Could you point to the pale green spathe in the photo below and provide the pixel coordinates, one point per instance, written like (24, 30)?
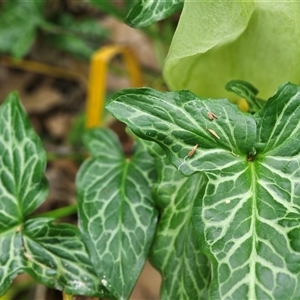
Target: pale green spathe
(216, 42)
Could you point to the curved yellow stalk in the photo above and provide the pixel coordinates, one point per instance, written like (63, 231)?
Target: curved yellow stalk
(97, 80)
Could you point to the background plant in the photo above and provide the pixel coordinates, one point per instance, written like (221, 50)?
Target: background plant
(18, 32)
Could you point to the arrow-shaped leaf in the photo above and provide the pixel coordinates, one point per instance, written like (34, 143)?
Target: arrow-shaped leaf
(117, 216)
(259, 240)
(22, 184)
(22, 163)
(247, 217)
(53, 254)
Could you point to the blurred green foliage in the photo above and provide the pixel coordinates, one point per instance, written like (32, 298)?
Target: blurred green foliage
(23, 22)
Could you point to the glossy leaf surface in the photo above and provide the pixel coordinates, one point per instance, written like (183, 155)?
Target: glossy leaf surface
(146, 12)
(178, 121)
(11, 263)
(117, 215)
(175, 250)
(57, 257)
(53, 254)
(247, 217)
(23, 161)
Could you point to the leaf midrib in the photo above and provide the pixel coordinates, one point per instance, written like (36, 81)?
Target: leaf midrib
(125, 168)
(253, 256)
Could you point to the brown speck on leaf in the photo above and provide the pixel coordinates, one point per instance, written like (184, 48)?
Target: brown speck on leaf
(193, 150)
(212, 132)
(212, 116)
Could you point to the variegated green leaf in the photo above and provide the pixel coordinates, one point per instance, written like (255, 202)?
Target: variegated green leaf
(56, 257)
(22, 184)
(278, 130)
(247, 217)
(178, 121)
(11, 263)
(261, 211)
(117, 216)
(175, 250)
(147, 12)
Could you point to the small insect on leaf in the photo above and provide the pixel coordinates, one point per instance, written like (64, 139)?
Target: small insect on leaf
(212, 116)
(191, 153)
(212, 132)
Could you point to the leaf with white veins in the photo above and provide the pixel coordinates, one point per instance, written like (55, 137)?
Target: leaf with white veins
(22, 184)
(53, 254)
(147, 12)
(56, 257)
(247, 217)
(117, 215)
(177, 121)
(22, 163)
(175, 250)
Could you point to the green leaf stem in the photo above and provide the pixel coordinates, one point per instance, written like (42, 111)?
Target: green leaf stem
(247, 217)
(117, 215)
